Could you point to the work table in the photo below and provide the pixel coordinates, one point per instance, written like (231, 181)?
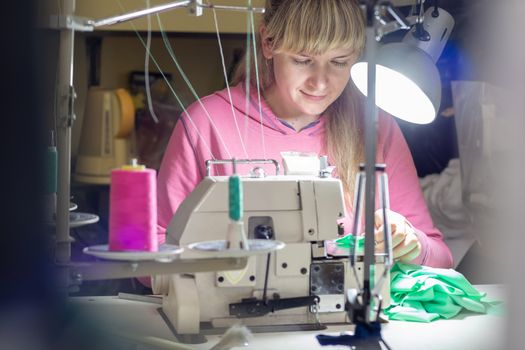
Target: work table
(466, 331)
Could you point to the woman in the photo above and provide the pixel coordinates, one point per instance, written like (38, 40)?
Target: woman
(305, 51)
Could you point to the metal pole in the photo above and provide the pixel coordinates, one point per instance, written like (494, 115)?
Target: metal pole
(65, 117)
(370, 156)
(129, 16)
(234, 8)
(196, 9)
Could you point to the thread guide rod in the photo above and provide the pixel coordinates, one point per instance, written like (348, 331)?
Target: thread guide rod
(195, 6)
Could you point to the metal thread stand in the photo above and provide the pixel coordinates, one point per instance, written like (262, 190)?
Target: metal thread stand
(67, 23)
(363, 304)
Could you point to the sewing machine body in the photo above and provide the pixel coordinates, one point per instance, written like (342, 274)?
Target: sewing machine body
(303, 212)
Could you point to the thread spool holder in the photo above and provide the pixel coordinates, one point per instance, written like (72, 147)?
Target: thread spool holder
(105, 270)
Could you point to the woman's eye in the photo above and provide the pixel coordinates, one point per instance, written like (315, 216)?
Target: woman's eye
(301, 62)
(340, 64)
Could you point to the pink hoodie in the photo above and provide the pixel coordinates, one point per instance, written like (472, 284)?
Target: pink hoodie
(220, 131)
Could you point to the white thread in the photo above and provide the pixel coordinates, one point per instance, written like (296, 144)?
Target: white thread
(250, 25)
(248, 64)
(187, 81)
(170, 86)
(257, 83)
(228, 84)
(146, 68)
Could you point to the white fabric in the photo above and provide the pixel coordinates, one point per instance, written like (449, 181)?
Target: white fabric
(442, 193)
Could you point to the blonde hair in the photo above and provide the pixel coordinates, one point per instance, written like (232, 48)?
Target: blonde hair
(314, 27)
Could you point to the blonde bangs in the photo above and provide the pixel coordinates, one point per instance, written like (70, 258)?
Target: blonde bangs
(314, 27)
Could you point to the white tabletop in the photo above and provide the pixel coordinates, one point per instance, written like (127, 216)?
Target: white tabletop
(466, 331)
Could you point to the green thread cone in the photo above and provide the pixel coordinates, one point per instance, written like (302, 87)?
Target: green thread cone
(235, 198)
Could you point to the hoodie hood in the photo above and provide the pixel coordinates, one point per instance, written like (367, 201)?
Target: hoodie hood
(264, 114)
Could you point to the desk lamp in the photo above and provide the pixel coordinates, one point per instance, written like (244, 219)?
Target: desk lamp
(408, 85)
(405, 83)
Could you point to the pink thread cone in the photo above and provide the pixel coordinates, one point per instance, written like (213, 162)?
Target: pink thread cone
(133, 210)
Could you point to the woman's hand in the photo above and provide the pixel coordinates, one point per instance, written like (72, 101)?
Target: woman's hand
(405, 242)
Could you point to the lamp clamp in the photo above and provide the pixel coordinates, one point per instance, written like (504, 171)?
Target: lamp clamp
(389, 19)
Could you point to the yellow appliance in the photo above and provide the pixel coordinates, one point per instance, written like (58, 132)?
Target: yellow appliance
(106, 138)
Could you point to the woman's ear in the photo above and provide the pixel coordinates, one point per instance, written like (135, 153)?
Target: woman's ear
(266, 43)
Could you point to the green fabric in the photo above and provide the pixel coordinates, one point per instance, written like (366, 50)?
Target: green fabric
(424, 294)
(348, 241)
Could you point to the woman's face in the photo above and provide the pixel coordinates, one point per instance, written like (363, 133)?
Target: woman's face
(305, 85)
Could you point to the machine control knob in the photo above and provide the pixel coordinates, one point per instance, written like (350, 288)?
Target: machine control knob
(263, 232)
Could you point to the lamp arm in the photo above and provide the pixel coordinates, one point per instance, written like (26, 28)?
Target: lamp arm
(402, 22)
(386, 26)
(396, 14)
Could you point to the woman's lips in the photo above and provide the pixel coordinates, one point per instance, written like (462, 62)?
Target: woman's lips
(313, 97)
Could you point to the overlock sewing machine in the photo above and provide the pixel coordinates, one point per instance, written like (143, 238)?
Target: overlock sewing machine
(304, 284)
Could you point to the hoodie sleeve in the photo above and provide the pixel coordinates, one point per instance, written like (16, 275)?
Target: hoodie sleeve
(179, 174)
(406, 196)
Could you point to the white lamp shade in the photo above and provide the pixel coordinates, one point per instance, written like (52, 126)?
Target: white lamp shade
(408, 85)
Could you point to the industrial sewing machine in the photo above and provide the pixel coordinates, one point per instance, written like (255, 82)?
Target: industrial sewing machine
(304, 284)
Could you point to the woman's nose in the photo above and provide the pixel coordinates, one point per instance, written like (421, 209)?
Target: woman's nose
(319, 79)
